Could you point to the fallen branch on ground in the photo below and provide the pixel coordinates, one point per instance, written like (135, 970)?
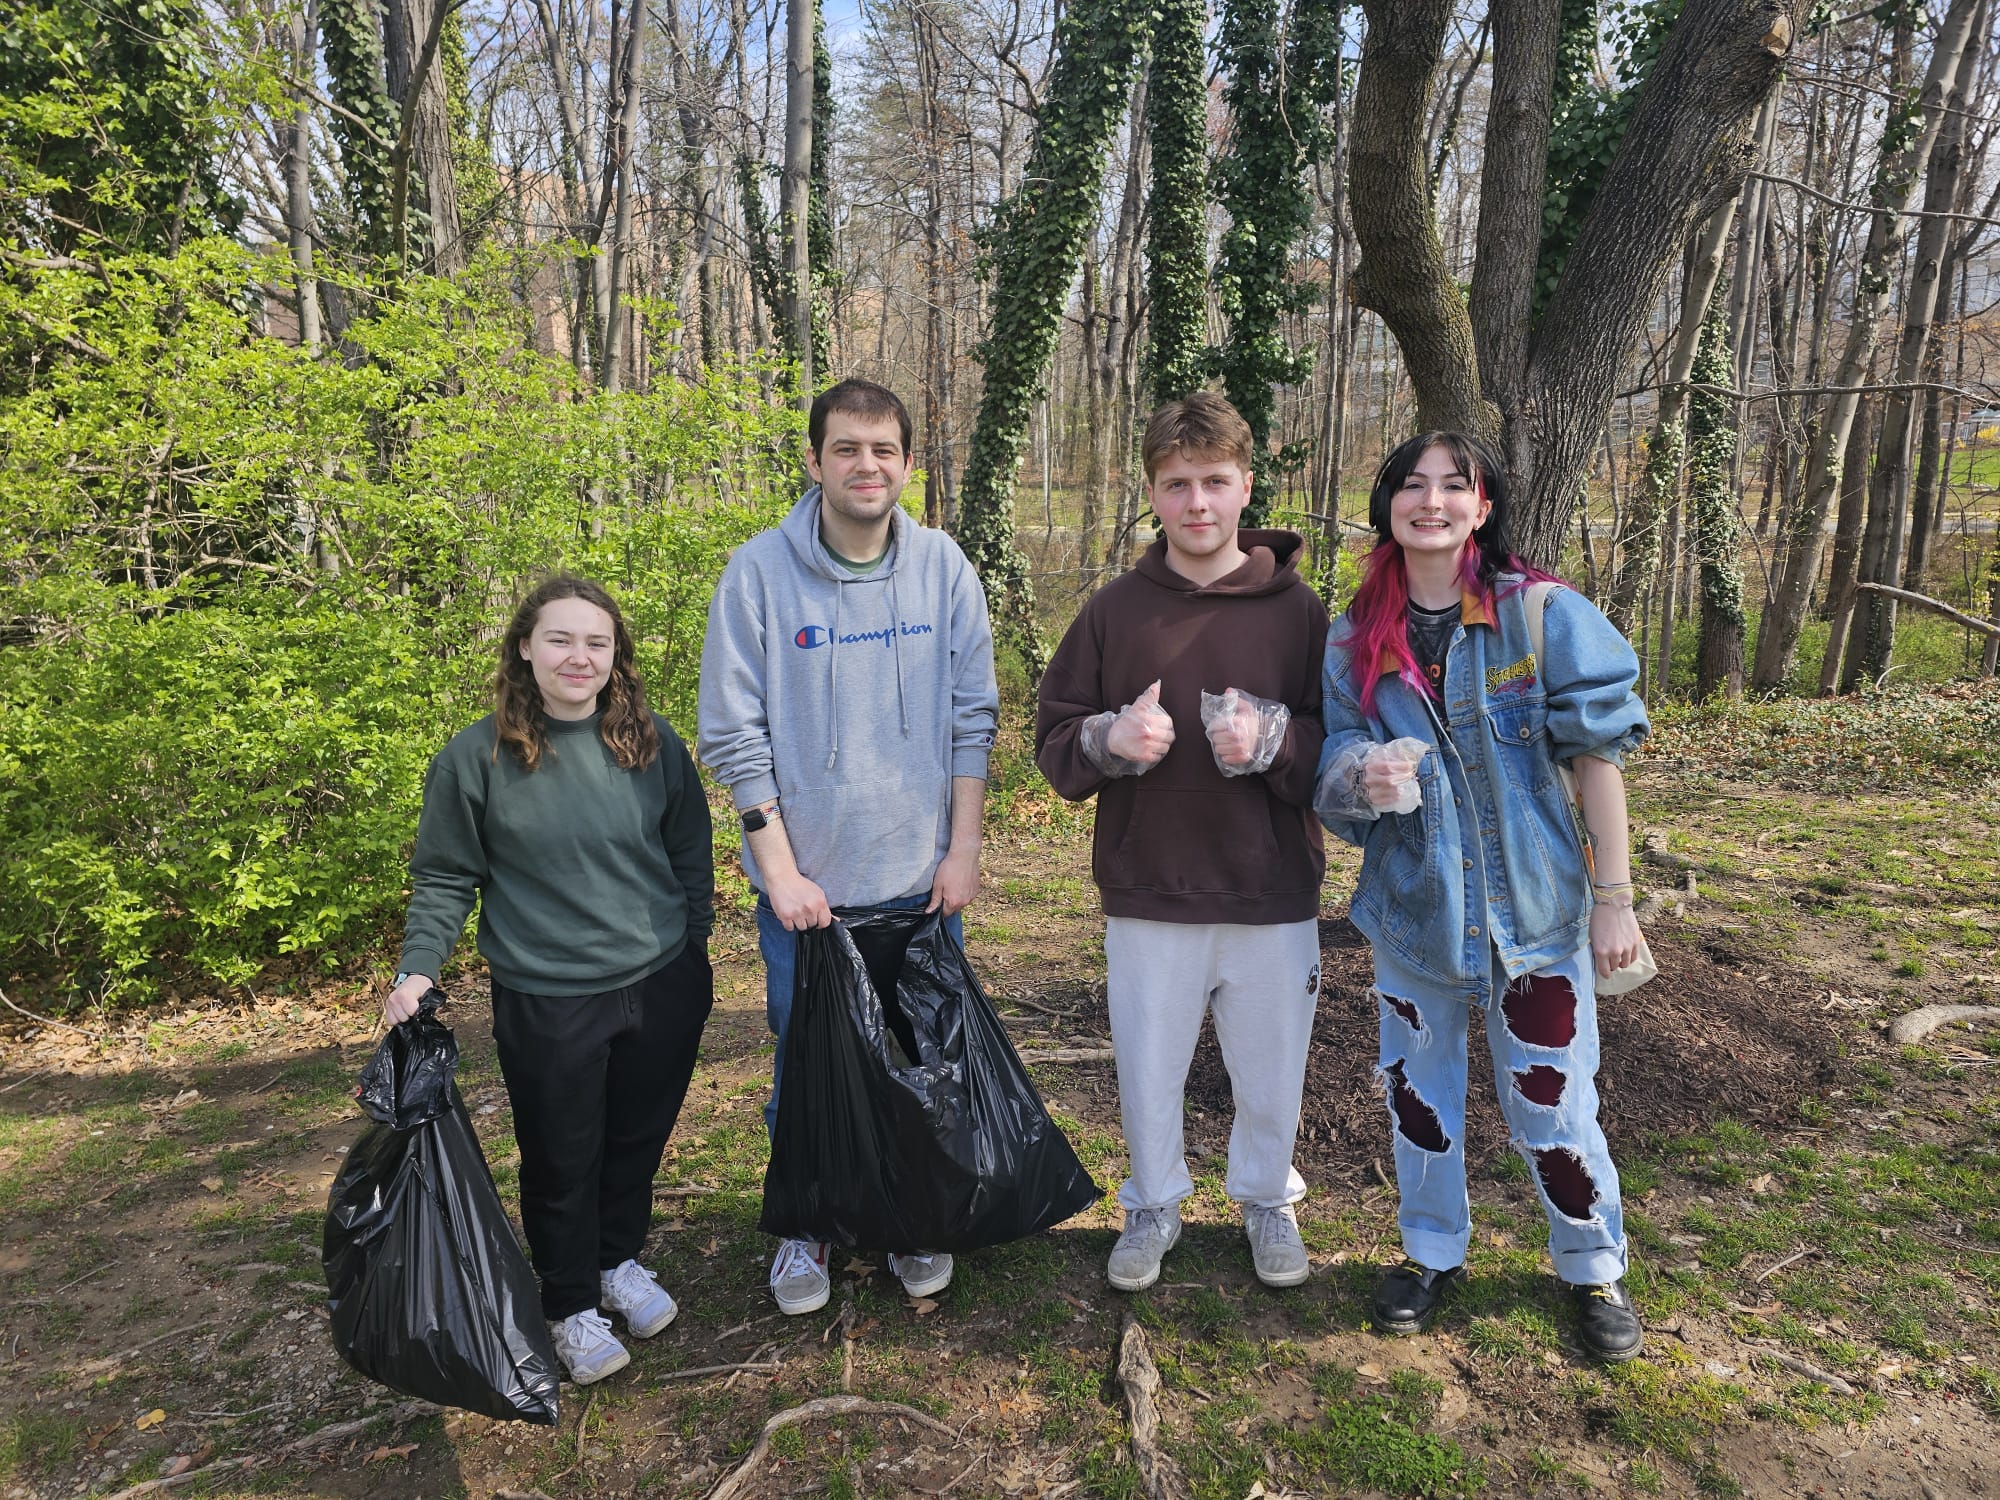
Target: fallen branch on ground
(112, 1361)
(696, 1374)
(1811, 1372)
(95, 1036)
(1068, 1055)
(1653, 849)
(1772, 1270)
(252, 1460)
(1920, 1023)
(737, 1480)
(1139, 1377)
(1047, 1010)
(1925, 601)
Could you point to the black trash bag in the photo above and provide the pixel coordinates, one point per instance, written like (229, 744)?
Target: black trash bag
(430, 1292)
(906, 1122)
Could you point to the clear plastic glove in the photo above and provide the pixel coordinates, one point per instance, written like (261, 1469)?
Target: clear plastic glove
(1131, 741)
(1365, 780)
(1244, 730)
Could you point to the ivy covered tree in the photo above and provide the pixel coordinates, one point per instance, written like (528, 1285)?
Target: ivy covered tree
(1716, 526)
(1176, 232)
(1037, 240)
(108, 132)
(366, 123)
(1278, 91)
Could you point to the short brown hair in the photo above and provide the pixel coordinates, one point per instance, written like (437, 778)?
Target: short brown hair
(858, 398)
(1201, 423)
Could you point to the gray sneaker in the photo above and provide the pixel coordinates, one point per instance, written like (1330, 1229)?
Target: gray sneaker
(798, 1276)
(922, 1274)
(1275, 1247)
(585, 1346)
(1149, 1234)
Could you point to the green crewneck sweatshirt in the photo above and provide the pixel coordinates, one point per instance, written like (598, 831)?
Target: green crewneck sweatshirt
(589, 877)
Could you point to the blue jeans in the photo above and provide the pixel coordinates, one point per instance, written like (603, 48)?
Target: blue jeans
(1543, 1036)
(781, 961)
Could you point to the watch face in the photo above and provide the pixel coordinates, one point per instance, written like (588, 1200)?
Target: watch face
(753, 819)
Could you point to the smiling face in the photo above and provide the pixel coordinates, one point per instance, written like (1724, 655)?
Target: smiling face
(1199, 499)
(571, 651)
(860, 466)
(1438, 507)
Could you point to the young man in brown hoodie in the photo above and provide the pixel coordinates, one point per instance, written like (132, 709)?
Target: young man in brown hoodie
(1186, 697)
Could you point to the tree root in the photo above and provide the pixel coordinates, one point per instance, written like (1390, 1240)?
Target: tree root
(1159, 1477)
(737, 1480)
(1920, 1023)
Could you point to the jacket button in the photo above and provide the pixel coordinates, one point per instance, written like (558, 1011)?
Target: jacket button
(1468, 864)
(1472, 932)
(1525, 731)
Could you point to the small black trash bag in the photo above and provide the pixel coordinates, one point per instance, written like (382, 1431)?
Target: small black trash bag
(905, 1120)
(429, 1290)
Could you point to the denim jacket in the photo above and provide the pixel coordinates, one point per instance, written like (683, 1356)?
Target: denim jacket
(1494, 857)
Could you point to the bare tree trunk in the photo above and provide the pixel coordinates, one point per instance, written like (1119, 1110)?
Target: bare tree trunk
(409, 23)
(298, 178)
(624, 133)
(1659, 485)
(799, 16)
(1847, 535)
(1403, 276)
(1888, 231)
(1501, 306)
(1872, 634)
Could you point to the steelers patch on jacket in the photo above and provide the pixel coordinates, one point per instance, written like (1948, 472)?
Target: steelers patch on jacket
(1509, 680)
(1312, 981)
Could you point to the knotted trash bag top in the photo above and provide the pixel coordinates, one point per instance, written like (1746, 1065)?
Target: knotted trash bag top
(429, 1290)
(906, 1122)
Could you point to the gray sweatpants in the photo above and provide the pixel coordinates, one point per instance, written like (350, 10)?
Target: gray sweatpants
(1263, 983)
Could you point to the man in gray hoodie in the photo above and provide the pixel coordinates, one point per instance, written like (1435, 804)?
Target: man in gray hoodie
(848, 702)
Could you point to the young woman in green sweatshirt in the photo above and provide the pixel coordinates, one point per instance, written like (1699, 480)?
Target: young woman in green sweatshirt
(573, 815)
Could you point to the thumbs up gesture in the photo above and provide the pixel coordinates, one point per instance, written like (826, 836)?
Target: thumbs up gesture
(1143, 730)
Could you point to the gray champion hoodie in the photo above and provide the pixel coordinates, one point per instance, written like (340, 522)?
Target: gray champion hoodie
(853, 700)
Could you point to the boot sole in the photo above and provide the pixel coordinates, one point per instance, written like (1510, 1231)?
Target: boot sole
(1616, 1356)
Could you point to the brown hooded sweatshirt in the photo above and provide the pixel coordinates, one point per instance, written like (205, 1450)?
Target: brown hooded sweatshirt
(1183, 842)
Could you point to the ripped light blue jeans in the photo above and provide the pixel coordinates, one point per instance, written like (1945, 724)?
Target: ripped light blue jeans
(1542, 1031)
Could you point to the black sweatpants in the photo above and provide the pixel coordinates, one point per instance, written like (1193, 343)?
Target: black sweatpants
(596, 1083)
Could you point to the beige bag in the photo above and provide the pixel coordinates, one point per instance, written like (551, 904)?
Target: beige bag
(1642, 967)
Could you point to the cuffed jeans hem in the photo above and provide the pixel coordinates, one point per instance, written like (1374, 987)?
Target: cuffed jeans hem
(1438, 1252)
(1592, 1267)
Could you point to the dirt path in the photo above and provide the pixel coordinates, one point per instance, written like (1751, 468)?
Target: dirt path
(1801, 1198)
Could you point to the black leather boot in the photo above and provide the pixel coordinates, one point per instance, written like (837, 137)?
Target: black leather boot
(1410, 1296)
(1607, 1322)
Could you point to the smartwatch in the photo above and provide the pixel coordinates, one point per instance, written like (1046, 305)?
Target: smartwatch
(755, 818)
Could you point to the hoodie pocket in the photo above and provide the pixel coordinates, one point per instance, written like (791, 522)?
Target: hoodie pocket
(870, 841)
(1186, 841)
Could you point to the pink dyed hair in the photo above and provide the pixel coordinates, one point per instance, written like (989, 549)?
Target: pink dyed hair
(1379, 613)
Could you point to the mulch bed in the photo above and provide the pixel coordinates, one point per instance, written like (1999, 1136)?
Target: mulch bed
(1726, 1030)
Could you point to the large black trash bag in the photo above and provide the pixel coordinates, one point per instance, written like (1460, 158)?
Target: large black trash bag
(905, 1120)
(429, 1290)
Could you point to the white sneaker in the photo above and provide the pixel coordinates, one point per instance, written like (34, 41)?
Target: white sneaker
(1149, 1234)
(585, 1345)
(1275, 1247)
(798, 1276)
(922, 1275)
(635, 1294)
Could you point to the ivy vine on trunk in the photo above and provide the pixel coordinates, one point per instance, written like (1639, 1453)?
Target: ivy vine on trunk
(366, 122)
(1277, 92)
(1036, 242)
(1177, 233)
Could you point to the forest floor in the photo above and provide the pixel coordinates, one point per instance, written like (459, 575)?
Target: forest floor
(1814, 1214)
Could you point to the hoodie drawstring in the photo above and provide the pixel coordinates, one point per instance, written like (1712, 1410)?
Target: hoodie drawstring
(896, 645)
(833, 674)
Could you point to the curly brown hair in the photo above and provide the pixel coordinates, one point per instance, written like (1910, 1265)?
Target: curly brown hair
(627, 728)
